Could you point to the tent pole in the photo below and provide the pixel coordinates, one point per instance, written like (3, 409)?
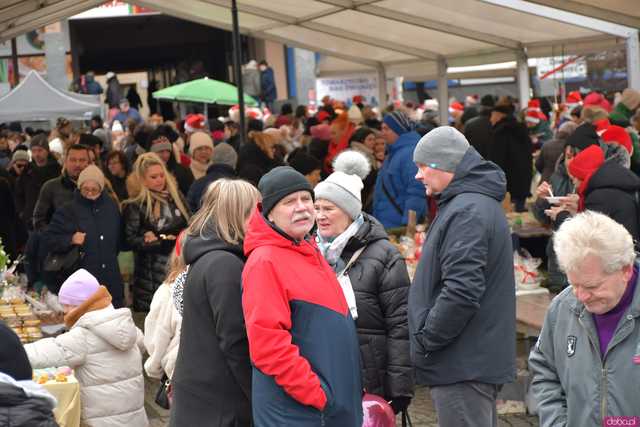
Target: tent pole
(523, 79)
(633, 61)
(14, 59)
(236, 66)
(443, 92)
(205, 110)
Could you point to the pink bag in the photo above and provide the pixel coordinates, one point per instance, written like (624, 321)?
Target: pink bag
(377, 412)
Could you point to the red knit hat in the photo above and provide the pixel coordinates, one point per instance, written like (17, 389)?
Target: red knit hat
(586, 162)
(618, 135)
(597, 99)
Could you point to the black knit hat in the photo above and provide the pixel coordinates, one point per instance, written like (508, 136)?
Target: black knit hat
(13, 359)
(584, 136)
(304, 163)
(40, 140)
(278, 183)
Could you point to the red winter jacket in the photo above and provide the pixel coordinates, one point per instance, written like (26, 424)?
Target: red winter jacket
(302, 338)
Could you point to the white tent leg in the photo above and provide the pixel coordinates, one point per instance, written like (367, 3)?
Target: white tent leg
(382, 87)
(523, 79)
(633, 61)
(443, 92)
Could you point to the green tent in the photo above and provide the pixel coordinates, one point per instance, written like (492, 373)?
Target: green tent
(204, 90)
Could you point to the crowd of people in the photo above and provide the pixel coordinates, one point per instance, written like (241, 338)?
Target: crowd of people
(272, 292)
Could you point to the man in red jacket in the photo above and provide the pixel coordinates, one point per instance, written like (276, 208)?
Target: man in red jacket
(302, 338)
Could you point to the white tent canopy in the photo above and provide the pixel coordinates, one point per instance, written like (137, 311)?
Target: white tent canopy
(34, 100)
(417, 39)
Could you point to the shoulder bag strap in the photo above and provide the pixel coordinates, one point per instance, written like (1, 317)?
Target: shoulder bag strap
(391, 199)
(353, 259)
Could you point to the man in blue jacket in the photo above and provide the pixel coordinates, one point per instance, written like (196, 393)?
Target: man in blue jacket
(462, 301)
(267, 85)
(396, 190)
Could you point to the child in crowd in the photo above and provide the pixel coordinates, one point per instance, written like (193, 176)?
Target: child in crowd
(104, 347)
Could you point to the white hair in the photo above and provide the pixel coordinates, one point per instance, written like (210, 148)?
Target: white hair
(593, 234)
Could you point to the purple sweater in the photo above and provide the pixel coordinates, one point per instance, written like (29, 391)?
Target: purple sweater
(607, 323)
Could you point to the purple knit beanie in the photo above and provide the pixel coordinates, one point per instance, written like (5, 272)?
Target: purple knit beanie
(78, 288)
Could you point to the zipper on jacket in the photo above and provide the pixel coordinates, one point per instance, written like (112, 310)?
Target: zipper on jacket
(322, 423)
(603, 400)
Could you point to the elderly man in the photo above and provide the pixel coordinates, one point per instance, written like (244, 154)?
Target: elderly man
(462, 301)
(586, 364)
(302, 338)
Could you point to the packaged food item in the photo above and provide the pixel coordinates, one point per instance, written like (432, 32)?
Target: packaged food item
(32, 322)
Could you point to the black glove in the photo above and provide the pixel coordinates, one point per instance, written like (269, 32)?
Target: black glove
(399, 404)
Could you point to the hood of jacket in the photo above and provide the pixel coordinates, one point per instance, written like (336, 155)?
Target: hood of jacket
(612, 175)
(197, 246)
(115, 326)
(476, 175)
(261, 233)
(14, 392)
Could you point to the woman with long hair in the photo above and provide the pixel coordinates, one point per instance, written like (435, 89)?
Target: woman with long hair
(116, 169)
(212, 378)
(153, 219)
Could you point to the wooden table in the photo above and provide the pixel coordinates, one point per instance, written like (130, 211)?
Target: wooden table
(530, 312)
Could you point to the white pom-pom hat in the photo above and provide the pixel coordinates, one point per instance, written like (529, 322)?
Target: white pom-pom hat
(343, 188)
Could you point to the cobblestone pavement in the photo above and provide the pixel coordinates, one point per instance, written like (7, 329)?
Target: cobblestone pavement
(421, 411)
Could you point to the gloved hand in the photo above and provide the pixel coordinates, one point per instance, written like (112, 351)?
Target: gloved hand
(400, 403)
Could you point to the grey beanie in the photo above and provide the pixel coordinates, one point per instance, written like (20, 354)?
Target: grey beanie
(224, 153)
(343, 190)
(443, 148)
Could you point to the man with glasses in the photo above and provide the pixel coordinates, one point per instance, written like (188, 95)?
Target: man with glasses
(586, 364)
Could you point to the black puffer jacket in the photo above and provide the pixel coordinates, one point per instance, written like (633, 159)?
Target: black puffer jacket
(381, 285)
(19, 410)
(213, 363)
(612, 190)
(184, 177)
(150, 258)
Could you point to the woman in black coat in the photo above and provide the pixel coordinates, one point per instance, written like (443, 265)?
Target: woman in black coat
(116, 171)
(356, 244)
(91, 220)
(257, 157)
(212, 378)
(153, 219)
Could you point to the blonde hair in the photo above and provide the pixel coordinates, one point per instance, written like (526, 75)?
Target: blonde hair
(593, 113)
(225, 207)
(175, 266)
(140, 168)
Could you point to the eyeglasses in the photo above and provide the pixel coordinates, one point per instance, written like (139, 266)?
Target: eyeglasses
(90, 191)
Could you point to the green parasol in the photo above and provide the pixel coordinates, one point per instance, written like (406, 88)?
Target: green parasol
(203, 90)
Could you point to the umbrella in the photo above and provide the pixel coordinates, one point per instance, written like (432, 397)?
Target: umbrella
(203, 90)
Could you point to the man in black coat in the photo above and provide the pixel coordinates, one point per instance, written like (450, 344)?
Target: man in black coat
(478, 129)
(42, 168)
(223, 166)
(511, 149)
(58, 191)
(462, 319)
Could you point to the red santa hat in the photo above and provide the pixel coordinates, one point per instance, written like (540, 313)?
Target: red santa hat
(597, 99)
(535, 116)
(618, 135)
(533, 105)
(573, 99)
(601, 126)
(456, 107)
(357, 99)
(194, 123)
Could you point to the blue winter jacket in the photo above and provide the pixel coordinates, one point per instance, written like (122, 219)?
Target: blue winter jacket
(268, 85)
(398, 173)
